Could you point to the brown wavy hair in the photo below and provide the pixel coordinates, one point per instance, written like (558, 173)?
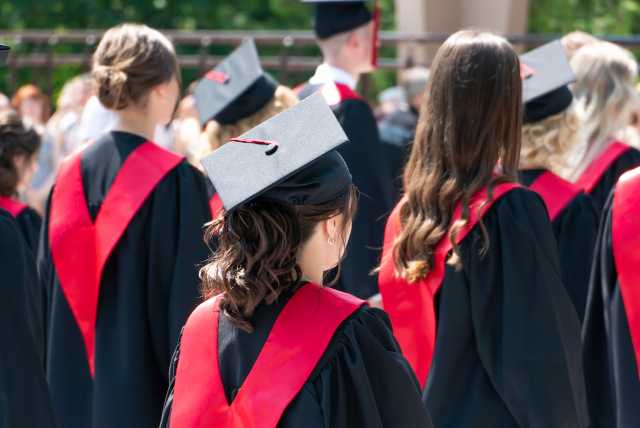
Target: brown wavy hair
(257, 246)
(16, 139)
(470, 121)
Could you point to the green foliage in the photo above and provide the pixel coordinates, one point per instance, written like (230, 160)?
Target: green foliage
(617, 17)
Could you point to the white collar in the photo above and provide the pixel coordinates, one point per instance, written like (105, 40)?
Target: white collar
(326, 73)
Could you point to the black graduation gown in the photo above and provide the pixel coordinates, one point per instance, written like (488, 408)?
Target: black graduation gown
(30, 222)
(364, 155)
(24, 396)
(627, 161)
(396, 135)
(362, 380)
(610, 365)
(507, 351)
(149, 287)
(576, 230)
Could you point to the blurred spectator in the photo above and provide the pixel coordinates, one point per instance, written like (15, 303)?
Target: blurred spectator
(606, 98)
(389, 101)
(32, 105)
(573, 41)
(5, 103)
(187, 129)
(61, 137)
(397, 130)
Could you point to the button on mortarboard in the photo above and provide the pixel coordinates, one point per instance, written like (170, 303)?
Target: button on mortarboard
(4, 52)
(289, 158)
(235, 88)
(546, 73)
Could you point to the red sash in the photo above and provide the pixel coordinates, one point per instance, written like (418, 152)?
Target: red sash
(215, 204)
(411, 306)
(296, 343)
(555, 192)
(592, 175)
(11, 205)
(79, 248)
(626, 250)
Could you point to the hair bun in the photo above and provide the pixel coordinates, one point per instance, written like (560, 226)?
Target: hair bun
(111, 83)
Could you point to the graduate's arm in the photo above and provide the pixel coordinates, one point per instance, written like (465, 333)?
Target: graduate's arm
(168, 402)
(577, 233)
(364, 149)
(596, 352)
(190, 252)
(176, 248)
(363, 380)
(528, 334)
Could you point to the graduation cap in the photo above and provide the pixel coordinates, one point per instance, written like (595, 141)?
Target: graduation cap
(290, 158)
(338, 16)
(4, 53)
(546, 74)
(235, 88)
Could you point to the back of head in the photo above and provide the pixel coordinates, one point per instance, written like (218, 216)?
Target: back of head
(258, 245)
(32, 92)
(130, 60)
(470, 120)
(546, 143)
(414, 81)
(575, 40)
(216, 134)
(16, 140)
(605, 93)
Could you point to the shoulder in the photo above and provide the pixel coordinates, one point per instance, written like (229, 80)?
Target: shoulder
(519, 199)
(629, 159)
(30, 213)
(367, 330)
(520, 211)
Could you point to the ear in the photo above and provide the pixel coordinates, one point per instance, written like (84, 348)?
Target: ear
(353, 41)
(331, 228)
(163, 89)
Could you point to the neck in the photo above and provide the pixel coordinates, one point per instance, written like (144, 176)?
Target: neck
(311, 270)
(344, 66)
(136, 122)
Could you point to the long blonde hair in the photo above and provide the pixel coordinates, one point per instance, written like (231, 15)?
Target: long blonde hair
(546, 143)
(605, 98)
(216, 134)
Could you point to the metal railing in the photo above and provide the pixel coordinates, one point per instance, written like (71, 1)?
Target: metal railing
(36, 49)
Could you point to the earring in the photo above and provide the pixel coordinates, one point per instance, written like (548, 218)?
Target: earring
(331, 241)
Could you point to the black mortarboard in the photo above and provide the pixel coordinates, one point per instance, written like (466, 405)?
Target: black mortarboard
(289, 158)
(4, 53)
(235, 88)
(546, 74)
(338, 16)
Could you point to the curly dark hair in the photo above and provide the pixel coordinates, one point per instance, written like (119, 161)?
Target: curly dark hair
(257, 246)
(15, 140)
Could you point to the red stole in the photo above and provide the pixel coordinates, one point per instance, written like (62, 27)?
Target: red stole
(626, 250)
(80, 248)
(294, 347)
(335, 93)
(215, 204)
(555, 192)
(592, 175)
(411, 307)
(13, 206)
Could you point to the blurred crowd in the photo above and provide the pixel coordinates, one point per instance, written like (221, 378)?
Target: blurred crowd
(77, 117)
